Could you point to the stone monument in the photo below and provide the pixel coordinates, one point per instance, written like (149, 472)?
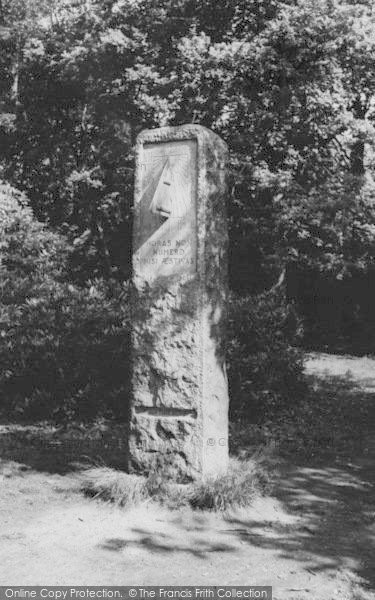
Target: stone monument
(179, 408)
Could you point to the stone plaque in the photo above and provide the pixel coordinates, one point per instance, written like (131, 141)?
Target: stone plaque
(179, 406)
(166, 242)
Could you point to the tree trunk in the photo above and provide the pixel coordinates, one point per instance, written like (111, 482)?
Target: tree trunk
(357, 153)
(356, 158)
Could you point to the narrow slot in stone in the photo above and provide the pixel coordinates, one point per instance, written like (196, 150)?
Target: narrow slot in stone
(164, 411)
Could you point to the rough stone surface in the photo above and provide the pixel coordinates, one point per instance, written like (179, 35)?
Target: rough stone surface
(179, 410)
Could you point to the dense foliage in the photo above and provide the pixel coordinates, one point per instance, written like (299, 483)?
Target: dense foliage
(64, 349)
(265, 369)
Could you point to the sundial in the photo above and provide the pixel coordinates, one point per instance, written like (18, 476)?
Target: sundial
(179, 399)
(166, 244)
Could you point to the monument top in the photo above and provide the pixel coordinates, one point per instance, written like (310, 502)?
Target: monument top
(186, 131)
(170, 185)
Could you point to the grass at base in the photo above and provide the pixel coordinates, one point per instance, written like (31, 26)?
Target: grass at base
(245, 480)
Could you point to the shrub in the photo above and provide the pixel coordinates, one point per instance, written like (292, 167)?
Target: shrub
(31, 256)
(265, 369)
(63, 348)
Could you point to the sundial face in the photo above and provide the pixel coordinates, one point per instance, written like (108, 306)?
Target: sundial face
(171, 195)
(166, 239)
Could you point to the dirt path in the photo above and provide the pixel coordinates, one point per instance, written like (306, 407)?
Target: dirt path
(361, 370)
(47, 539)
(314, 539)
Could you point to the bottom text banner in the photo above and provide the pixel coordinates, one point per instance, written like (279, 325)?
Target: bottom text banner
(166, 592)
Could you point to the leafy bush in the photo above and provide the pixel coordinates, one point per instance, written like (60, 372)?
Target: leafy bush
(329, 239)
(265, 369)
(63, 348)
(330, 228)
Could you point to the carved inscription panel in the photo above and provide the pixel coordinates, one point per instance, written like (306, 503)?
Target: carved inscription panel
(166, 239)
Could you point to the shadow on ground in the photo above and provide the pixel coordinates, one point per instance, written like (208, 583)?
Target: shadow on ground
(337, 526)
(328, 476)
(165, 544)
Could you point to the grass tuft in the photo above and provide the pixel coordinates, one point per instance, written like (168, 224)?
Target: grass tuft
(112, 485)
(245, 480)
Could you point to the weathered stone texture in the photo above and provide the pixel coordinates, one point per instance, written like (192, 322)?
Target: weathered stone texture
(179, 409)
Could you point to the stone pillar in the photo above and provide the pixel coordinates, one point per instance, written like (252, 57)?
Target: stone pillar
(179, 408)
